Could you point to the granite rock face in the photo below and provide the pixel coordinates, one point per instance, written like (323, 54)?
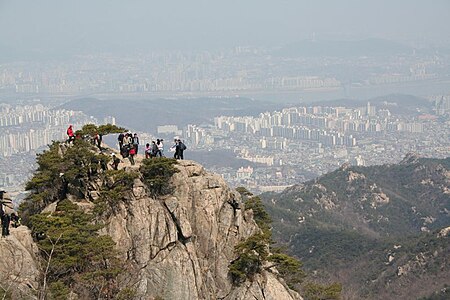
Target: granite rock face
(180, 245)
(19, 269)
(177, 246)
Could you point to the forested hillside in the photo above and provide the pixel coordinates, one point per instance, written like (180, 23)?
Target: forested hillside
(378, 230)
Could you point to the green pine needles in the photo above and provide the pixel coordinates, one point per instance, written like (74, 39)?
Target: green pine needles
(157, 174)
(75, 256)
(91, 129)
(60, 169)
(116, 187)
(257, 253)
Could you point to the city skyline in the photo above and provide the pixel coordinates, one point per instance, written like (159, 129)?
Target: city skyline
(266, 152)
(244, 78)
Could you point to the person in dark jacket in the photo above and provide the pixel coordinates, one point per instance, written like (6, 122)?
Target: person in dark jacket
(181, 147)
(6, 219)
(136, 142)
(154, 149)
(120, 139)
(115, 162)
(6, 208)
(99, 141)
(16, 221)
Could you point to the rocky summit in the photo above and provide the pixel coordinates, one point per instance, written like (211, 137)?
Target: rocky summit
(172, 245)
(180, 245)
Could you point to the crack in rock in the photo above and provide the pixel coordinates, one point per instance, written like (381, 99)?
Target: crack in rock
(183, 239)
(169, 247)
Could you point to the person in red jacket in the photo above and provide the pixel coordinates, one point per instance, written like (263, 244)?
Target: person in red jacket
(132, 153)
(70, 133)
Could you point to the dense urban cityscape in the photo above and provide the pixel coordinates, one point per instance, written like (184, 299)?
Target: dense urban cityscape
(300, 143)
(280, 147)
(283, 147)
(241, 69)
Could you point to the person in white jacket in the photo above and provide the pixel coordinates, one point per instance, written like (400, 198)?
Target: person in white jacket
(160, 144)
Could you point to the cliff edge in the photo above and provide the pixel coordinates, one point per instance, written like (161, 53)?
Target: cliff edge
(115, 234)
(180, 245)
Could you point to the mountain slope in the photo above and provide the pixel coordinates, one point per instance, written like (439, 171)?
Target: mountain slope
(364, 225)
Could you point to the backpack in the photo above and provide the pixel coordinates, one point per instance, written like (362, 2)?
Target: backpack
(154, 148)
(6, 204)
(183, 146)
(124, 152)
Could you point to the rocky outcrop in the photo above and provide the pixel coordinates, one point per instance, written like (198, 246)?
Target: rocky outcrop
(445, 232)
(19, 270)
(180, 245)
(176, 246)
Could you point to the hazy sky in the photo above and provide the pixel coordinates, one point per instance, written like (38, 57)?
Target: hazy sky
(86, 25)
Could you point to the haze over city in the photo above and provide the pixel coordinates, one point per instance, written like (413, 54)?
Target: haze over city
(254, 81)
(205, 149)
(72, 27)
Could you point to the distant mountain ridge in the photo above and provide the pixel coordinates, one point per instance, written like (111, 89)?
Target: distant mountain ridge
(375, 228)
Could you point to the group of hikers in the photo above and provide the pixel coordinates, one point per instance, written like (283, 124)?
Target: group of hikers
(156, 149)
(129, 147)
(96, 139)
(7, 214)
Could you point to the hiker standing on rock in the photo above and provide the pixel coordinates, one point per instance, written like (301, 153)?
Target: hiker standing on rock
(97, 141)
(115, 162)
(127, 139)
(181, 148)
(120, 139)
(136, 142)
(148, 151)
(159, 143)
(154, 149)
(70, 134)
(6, 209)
(175, 149)
(132, 153)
